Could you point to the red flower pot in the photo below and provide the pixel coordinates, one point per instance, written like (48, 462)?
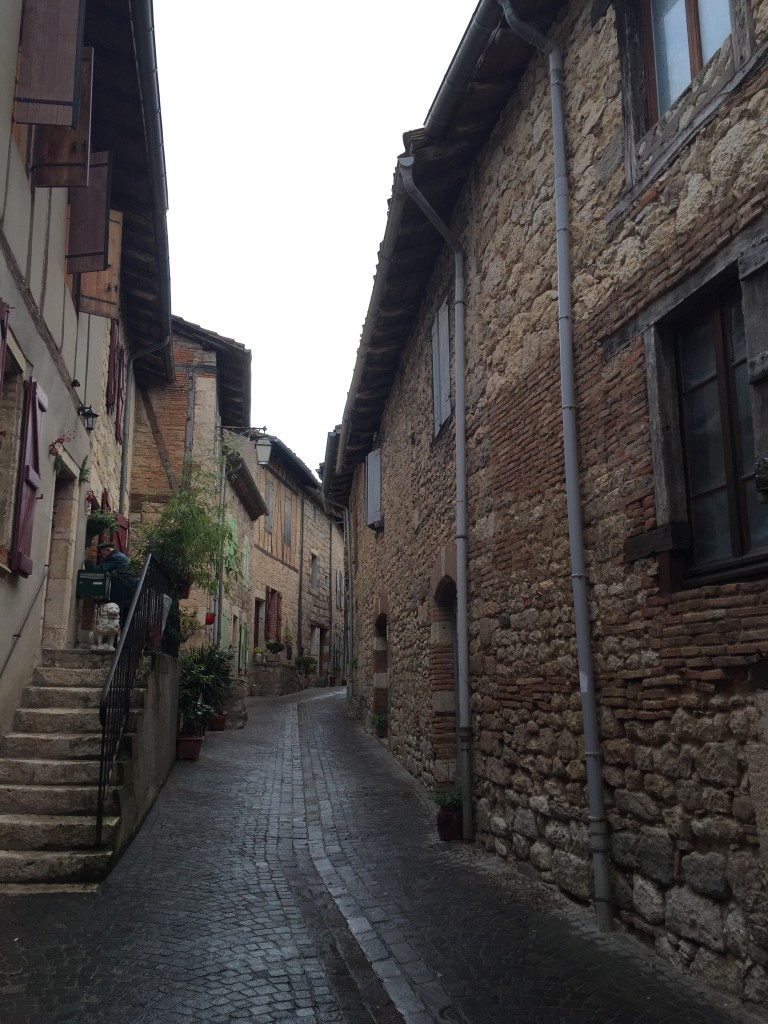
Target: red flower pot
(450, 824)
(188, 747)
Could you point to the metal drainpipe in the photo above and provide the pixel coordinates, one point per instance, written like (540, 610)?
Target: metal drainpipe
(300, 608)
(598, 826)
(405, 166)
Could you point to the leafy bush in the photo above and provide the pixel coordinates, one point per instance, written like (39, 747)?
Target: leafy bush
(275, 646)
(305, 664)
(206, 679)
(450, 798)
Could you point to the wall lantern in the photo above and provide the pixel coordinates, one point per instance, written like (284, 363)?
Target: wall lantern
(89, 416)
(263, 450)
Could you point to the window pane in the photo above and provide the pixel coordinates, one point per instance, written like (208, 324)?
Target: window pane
(758, 518)
(697, 356)
(715, 21)
(744, 414)
(670, 45)
(711, 532)
(703, 429)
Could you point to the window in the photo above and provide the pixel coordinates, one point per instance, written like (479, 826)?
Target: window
(441, 369)
(246, 561)
(315, 574)
(339, 589)
(373, 514)
(268, 501)
(681, 37)
(28, 486)
(288, 509)
(11, 426)
(726, 517)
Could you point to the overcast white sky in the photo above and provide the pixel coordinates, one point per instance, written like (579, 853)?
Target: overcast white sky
(283, 122)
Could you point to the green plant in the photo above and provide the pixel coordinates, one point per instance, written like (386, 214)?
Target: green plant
(379, 722)
(191, 539)
(275, 646)
(450, 798)
(259, 650)
(208, 671)
(305, 664)
(287, 636)
(101, 521)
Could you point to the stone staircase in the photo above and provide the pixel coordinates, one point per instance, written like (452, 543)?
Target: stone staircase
(49, 775)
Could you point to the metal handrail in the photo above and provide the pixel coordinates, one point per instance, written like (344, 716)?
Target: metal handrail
(145, 616)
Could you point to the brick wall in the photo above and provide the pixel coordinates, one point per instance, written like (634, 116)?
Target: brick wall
(679, 675)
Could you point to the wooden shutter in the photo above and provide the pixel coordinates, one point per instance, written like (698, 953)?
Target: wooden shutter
(89, 224)
(5, 311)
(61, 155)
(49, 66)
(120, 399)
(114, 335)
(441, 367)
(272, 614)
(279, 606)
(28, 485)
(120, 536)
(100, 292)
(373, 516)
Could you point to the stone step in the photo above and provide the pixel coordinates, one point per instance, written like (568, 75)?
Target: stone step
(51, 832)
(53, 800)
(55, 676)
(52, 745)
(69, 697)
(53, 866)
(18, 771)
(81, 658)
(56, 720)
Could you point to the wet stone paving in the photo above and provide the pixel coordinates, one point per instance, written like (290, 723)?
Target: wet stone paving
(294, 874)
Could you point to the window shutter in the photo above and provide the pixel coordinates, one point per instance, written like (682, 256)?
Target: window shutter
(61, 155)
(287, 522)
(100, 291)
(272, 614)
(436, 375)
(120, 394)
(246, 561)
(5, 311)
(89, 224)
(29, 478)
(120, 536)
(373, 488)
(48, 77)
(279, 609)
(443, 334)
(225, 629)
(114, 329)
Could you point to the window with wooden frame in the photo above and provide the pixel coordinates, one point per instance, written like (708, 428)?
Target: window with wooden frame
(728, 521)
(707, 364)
(681, 36)
(11, 424)
(315, 574)
(29, 482)
(287, 522)
(441, 369)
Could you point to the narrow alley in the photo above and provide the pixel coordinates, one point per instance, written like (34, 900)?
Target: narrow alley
(294, 874)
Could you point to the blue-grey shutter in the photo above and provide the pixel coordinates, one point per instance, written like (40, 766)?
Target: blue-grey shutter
(441, 368)
(373, 488)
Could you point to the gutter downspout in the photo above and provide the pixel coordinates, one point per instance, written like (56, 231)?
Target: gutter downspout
(405, 166)
(300, 608)
(598, 826)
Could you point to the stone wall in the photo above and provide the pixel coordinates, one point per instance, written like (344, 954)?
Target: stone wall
(680, 674)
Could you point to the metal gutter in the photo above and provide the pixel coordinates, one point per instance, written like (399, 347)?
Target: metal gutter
(598, 825)
(479, 33)
(405, 165)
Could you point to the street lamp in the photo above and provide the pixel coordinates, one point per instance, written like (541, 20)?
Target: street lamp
(263, 449)
(89, 416)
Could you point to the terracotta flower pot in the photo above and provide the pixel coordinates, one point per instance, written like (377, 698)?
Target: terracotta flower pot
(188, 747)
(450, 824)
(218, 722)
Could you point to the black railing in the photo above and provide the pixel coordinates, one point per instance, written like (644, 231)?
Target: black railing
(142, 628)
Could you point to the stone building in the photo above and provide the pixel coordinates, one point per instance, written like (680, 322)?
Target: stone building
(203, 420)
(84, 298)
(84, 316)
(665, 119)
(298, 569)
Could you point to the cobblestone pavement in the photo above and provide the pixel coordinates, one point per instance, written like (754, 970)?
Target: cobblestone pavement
(294, 874)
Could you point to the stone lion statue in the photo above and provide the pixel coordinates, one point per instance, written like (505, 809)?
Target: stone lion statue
(107, 627)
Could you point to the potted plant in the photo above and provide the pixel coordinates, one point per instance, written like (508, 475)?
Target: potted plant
(274, 647)
(305, 664)
(100, 521)
(191, 539)
(209, 669)
(193, 712)
(450, 818)
(258, 655)
(380, 722)
(288, 641)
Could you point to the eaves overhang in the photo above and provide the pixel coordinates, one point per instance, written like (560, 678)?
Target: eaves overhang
(481, 79)
(282, 453)
(233, 371)
(245, 488)
(126, 121)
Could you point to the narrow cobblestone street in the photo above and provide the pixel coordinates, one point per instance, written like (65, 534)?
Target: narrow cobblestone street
(294, 874)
